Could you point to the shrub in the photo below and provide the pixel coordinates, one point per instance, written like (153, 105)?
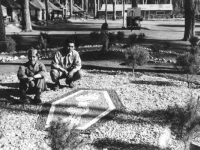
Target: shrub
(136, 56)
(155, 48)
(112, 38)
(11, 44)
(166, 45)
(132, 39)
(18, 40)
(141, 38)
(120, 35)
(194, 41)
(188, 63)
(77, 40)
(95, 35)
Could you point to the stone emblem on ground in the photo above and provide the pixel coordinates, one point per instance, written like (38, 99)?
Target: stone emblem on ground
(83, 108)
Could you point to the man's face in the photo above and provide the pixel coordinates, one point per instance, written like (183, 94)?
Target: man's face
(69, 47)
(33, 59)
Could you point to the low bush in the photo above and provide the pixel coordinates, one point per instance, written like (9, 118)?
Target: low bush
(18, 40)
(94, 35)
(136, 56)
(194, 41)
(188, 63)
(141, 38)
(132, 39)
(120, 35)
(11, 45)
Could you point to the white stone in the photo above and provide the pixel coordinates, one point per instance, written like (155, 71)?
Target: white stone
(22, 56)
(164, 138)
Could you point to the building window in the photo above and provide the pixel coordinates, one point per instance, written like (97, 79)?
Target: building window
(160, 12)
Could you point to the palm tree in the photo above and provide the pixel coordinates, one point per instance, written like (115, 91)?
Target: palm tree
(2, 31)
(28, 27)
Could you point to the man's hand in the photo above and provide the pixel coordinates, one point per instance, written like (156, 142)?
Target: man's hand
(30, 79)
(65, 73)
(71, 74)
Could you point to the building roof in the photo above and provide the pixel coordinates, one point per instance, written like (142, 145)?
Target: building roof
(56, 3)
(4, 11)
(37, 4)
(10, 4)
(53, 7)
(79, 8)
(147, 7)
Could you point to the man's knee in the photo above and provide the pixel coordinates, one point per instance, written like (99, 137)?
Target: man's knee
(40, 84)
(78, 75)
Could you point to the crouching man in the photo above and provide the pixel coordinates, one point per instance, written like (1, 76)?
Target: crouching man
(32, 77)
(66, 65)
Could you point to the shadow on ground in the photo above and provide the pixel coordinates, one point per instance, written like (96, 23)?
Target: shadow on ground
(113, 144)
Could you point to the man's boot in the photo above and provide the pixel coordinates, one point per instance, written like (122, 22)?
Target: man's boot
(37, 98)
(57, 86)
(70, 83)
(23, 96)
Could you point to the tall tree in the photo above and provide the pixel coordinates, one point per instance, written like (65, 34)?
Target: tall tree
(114, 9)
(2, 31)
(190, 7)
(28, 27)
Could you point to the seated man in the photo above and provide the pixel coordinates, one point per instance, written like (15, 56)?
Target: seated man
(32, 77)
(66, 64)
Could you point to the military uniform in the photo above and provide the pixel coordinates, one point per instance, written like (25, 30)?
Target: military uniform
(32, 77)
(69, 62)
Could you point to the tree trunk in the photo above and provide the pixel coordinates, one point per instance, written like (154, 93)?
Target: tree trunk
(86, 6)
(83, 4)
(2, 32)
(106, 15)
(189, 19)
(97, 5)
(47, 13)
(71, 8)
(28, 27)
(95, 9)
(134, 3)
(114, 9)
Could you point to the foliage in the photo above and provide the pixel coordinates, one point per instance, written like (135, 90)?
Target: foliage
(194, 41)
(11, 44)
(136, 56)
(76, 39)
(132, 39)
(94, 35)
(63, 135)
(112, 38)
(141, 38)
(155, 48)
(120, 35)
(166, 45)
(195, 50)
(189, 63)
(18, 39)
(44, 42)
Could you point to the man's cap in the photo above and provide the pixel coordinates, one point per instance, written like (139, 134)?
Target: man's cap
(32, 52)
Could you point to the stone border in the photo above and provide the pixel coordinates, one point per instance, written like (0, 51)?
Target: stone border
(43, 114)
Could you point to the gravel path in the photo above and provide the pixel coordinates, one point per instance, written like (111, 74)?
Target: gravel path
(143, 125)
